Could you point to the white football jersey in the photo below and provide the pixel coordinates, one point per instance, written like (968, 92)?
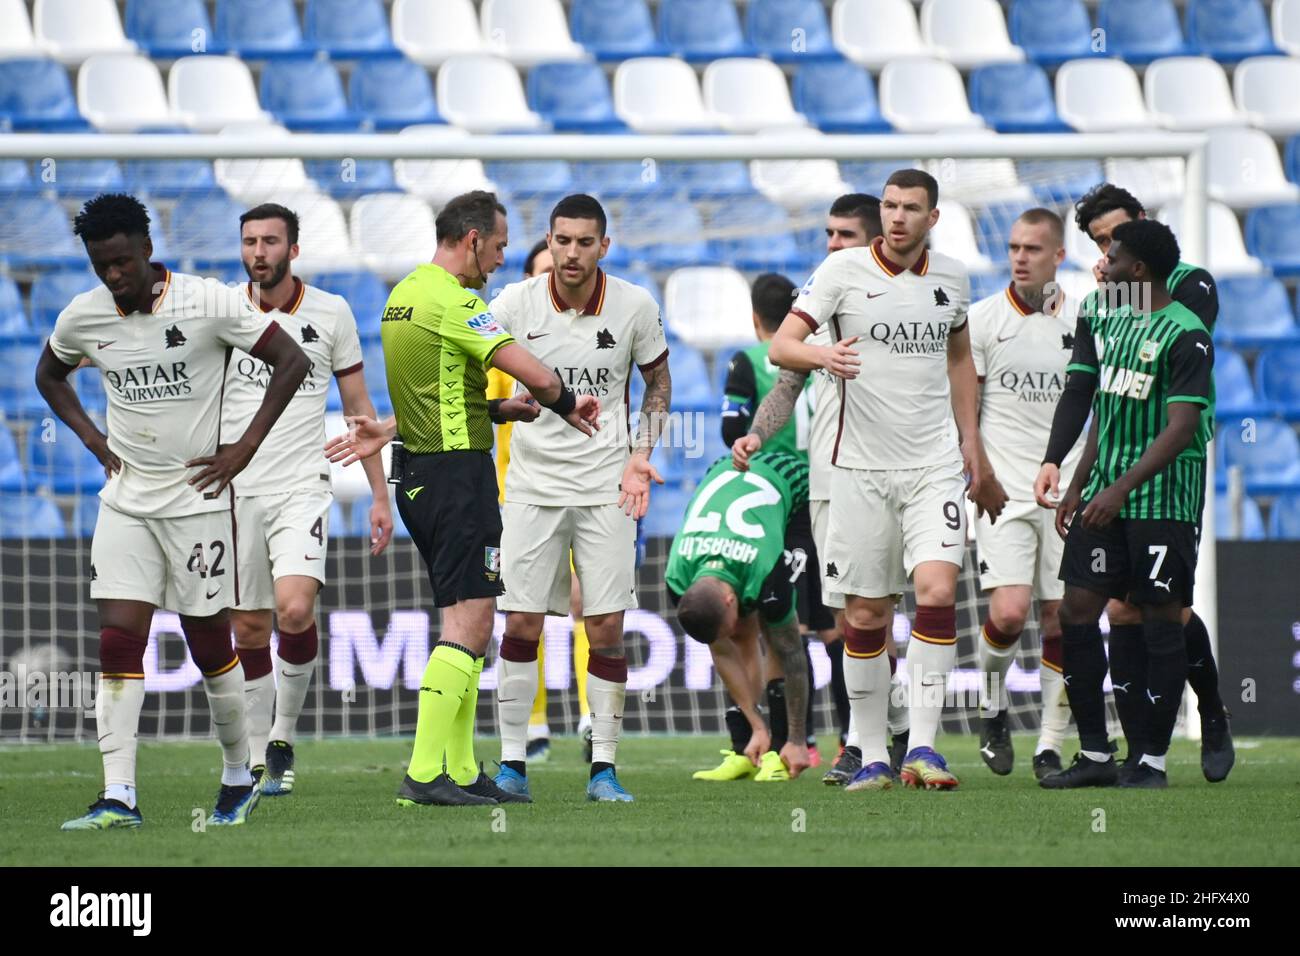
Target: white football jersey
(897, 413)
(292, 456)
(593, 351)
(1020, 356)
(825, 422)
(164, 373)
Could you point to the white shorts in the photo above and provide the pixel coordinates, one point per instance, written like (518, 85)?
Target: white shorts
(1022, 548)
(536, 541)
(884, 523)
(280, 535)
(186, 564)
(819, 510)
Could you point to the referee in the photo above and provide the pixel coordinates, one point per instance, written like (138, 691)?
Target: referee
(439, 339)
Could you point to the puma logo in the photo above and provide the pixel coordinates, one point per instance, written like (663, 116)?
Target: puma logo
(1165, 584)
(1204, 348)
(1153, 697)
(1205, 286)
(1123, 687)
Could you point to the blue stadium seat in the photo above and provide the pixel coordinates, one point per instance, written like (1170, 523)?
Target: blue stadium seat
(393, 93)
(15, 176)
(614, 29)
(348, 28)
(993, 230)
(1229, 30)
(168, 178)
(306, 95)
(355, 179)
(531, 176)
(869, 175)
(838, 97)
(84, 515)
(11, 472)
(1284, 517)
(1270, 462)
(1015, 98)
(1140, 31)
(36, 232)
(1273, 235)
(29, 516)
(36, 94)
(200, 230)
(700, 30)
(13, 317)
(616, 178)
(707, 180)
(1059, 181)
(168, 29)
(765, 241)
(1277, 374)
(646, 280)
(985, 284)
(667, 510)
(1234, 391)
(1252, 522)
(573, 96)
(771, 25)
(1291, 158)
(692, 388)
(63, 465)
(664, 234)
(51, 293)
(365, 292)
(18, 395)
(89, 386)
(1254, 308)
(84, 178)
(1051, 31)
(258, 29)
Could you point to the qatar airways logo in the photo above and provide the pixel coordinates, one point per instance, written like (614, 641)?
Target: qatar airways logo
(1033, 386)
(258, 374)
(147, 383)
(911, 338)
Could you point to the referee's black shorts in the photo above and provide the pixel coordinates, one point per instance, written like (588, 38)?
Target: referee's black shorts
(448, 501)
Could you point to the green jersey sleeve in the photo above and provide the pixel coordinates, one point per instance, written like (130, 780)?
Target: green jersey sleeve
(473, 329)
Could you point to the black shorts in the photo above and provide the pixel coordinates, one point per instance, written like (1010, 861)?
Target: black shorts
(802, 565)
(448, 502)
(1142, 561)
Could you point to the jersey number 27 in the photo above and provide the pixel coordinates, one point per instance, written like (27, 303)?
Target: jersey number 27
(702, 520)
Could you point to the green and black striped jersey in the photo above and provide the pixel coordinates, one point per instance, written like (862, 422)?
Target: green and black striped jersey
(750, 376)
(1144, 362)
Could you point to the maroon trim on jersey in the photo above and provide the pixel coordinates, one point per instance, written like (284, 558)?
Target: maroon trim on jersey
(840, 384)
(1021, 306)
(812, 323)
(299, 292)
(892, 268)
(265, 337)
(593, 305)
(663, 357)
(349, 370)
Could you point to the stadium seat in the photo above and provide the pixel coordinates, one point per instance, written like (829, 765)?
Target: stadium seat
(1244, 170)
(84, 516)
(979, 181)
(696, 388)
(438, 180)
(706, 179)
(35, 94)
(324, 243)
(1140, 30)
(923, 95)
(1228, 255)
(393, 233)
(84, 178)
(73, 30)
(708, 307)
(872, 33)
(753, 233)
(306, 95)
(795, 183)
(1252, 522)
(18, 395)
(1277, 372)
(664, 233)
(617, 178)
(1270, 459)
(645, 279)
(259, 180)
(1059, 181)
(748, 94)
(954, 235)
(789, 31)
(57, 461)
(393, 93)
(838, 97)
(985, 284)
(1262, 87)
(667, 510)
(483, 94)
(1273, 235)
(1190, 93)
(429, 33)
(614, 29)
(1291, 159)
(168, 178)
(348, 28)
(52, 291)
(16, 37)
(88, 383)
(365, 292)
(1283, 517)
(15, 176)
(1100, 96)
(11, 469)
(29, 516)
(1255, 310)
(13, 316)
(1157, 181)
(1234, 391)
(1051, 31)
(349, 178)
(531, 176)
(204, 230)
(260, 29)
(528, 32)
(869, 175)
(167, 29)
(208, 93)
(1015, 98)
(660, 95)
(968, 33)
(1229, 30)
(121, 93)
(36, 232)
(700, 30)
(1286, 25)
(573, 97)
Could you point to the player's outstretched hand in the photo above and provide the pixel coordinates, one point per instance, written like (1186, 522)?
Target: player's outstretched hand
(795, 757)
(744, 448)
(221, 468)
(381, 525)
(364, 437)
(842, 360)
(99, 447)
(521, 408)
(1104, 507)
(634, 489)
(1047, 490)
(585, 414)
(760, 742)
(1066, 509)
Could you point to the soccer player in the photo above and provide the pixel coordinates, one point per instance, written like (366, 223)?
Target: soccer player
(1132, 529)
(283, 497)
(165, 537)
(1097, 214)
(567, 495)
(897, 485)
(731, 573)
(1021, 339)
(439, 338)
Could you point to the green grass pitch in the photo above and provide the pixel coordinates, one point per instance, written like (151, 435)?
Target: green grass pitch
(344, 813)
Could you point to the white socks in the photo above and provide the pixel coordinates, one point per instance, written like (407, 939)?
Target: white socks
(117, 717)
(226, 704)
(292, 681)
(1056, 711)
(900, 721)
(867, 681)
(259, 700)
(516, 690)
(606, 700)
(928, 667)
(994, 662)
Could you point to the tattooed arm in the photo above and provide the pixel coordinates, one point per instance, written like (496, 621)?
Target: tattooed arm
(634, 489)
(786, 642)
(772, 414)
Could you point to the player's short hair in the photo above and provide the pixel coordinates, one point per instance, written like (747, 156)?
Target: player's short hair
(771, 296)
(862, 206)
(472, 210)
(916, 179)
(580, 206)
(109, 214)
(702, 610)
(273, 210)
(538, 248)
(1101, 199)
(1150, 242)
(1038, 216)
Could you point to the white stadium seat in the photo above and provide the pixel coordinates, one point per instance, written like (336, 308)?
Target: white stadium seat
(483, 94)
(1080, 251)
(923, 95)
(1245, 170)
(528, 32)
(324, 243)
(16, 37)
(708, 307)
(968, 33)
(393, 233)
(1154, 181)
(795, 182)
(659, 94)
(429, 33)
(749, 94)
(1286, 25)
(954, 235)
(254, 181)
(208, 93)
(122, 92)
(1228, 256)
(439, 180)
(1190, 93)
(979, 181)
(1265, 90)
(1098, 96)
(73, 30)
(875, 32)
